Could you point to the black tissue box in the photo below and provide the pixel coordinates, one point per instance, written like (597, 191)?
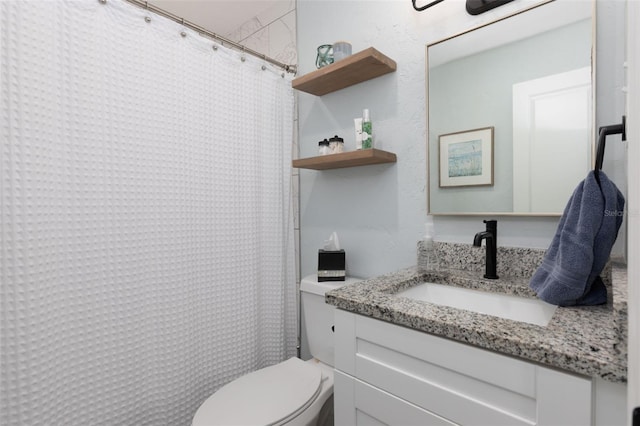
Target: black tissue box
(331, 265)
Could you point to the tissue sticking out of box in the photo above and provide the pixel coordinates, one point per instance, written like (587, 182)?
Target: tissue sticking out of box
(333, 243)
(331, 260)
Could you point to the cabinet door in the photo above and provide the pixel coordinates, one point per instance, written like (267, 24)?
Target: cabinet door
(358, 403)
(461, 383)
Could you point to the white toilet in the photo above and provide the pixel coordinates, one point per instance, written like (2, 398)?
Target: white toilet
(294, 392)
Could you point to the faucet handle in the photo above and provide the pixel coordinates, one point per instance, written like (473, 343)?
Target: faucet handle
(492, 226)
(491, 223)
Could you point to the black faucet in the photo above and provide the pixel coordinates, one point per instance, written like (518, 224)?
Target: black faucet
(491, 235)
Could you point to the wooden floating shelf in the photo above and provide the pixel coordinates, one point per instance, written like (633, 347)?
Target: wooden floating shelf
(363, 157)
(354, 69)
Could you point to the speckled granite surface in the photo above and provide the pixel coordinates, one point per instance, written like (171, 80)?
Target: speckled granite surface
(584, 340)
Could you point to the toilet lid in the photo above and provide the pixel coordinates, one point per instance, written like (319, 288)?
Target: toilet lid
(268, 396)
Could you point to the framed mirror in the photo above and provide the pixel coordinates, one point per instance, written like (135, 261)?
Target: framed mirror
(527, 77)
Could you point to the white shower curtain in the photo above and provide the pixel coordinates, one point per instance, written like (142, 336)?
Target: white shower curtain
(147, 238)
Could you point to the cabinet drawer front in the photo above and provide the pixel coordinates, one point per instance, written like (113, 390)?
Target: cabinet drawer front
(455, 396)
(372, 406)
(486, 366)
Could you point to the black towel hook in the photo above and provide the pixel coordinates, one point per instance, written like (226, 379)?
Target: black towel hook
(604, 131)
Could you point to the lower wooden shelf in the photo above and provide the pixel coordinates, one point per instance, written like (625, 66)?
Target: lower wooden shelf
(363, 157)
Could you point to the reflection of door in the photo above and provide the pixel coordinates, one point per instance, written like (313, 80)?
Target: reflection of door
(551, 138)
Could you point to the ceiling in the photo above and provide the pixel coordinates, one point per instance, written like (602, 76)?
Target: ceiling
(219, 16)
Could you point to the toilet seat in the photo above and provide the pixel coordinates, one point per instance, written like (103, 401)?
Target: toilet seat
(270, 396)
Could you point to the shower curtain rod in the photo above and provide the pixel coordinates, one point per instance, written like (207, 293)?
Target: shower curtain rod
(145, 5)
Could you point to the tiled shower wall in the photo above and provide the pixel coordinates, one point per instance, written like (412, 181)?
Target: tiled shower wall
(273, 33)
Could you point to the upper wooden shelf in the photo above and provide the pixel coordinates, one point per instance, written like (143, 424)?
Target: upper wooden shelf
(362, 157)
(353, 69)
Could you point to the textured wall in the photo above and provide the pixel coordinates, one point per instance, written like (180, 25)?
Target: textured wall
(379, 211)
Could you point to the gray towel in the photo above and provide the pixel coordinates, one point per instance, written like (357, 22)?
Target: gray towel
(580, 249)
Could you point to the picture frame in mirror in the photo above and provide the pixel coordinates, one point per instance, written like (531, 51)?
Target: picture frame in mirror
(466, 158)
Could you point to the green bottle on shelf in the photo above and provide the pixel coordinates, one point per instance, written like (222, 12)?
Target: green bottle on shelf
(367, 136)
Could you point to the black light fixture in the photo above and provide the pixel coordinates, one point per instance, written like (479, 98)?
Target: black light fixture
(421, 8)
(474, 7)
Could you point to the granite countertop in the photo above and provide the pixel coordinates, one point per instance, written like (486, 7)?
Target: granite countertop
(588, 340)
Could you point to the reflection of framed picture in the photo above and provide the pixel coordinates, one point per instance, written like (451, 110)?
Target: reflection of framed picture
(466, 158)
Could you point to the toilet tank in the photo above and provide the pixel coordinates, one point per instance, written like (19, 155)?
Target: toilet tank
(317, 316)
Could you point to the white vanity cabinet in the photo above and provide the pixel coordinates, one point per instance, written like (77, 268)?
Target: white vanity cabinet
(393, 375)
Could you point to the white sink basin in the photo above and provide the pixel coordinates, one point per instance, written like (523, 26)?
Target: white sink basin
(533, 311)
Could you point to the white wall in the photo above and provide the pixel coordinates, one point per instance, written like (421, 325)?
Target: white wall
(379, 211)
